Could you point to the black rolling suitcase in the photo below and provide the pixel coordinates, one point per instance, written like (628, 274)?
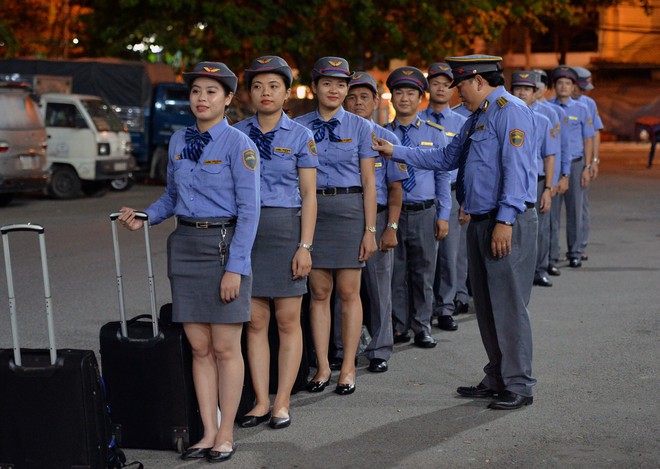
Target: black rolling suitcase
(147, 368)
(52, 410)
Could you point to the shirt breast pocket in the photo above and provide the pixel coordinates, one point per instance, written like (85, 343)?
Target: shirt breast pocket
(283, 160)
(345, 153)
(213, 175)
(483, 144)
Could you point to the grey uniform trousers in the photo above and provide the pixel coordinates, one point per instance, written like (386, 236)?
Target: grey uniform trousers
(446, 268)
(573, 201)
(501, 289)
(462, 266)
(584, 234)
(377, 280)
(543, 238)
(414, 271)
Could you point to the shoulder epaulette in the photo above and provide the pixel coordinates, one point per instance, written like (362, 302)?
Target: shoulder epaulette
(502, 101)
(434, 124)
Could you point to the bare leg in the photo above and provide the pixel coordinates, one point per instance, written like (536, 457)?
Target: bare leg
(259, 354)
(348, 289)
(320, 283)
(227, 346)
(205, 377)
(287, 313)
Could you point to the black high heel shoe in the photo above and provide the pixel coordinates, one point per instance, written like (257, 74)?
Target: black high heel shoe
(317, 386)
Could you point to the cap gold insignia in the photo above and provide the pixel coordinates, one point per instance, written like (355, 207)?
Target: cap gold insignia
(517, 138)
(211, 69)
(407, 72)
(357, 77)
(443, 67)
(264, 61)
(524, 75)
(334, 63)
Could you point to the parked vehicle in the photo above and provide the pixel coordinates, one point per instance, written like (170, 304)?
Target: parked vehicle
(23, 165)
(145, 95)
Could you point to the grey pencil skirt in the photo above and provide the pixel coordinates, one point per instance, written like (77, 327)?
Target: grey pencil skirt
(195, 273)
(274, 247)
(339, 232)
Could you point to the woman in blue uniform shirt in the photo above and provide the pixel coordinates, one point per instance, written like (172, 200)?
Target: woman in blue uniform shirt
(213, 190)
(281, 256)
(345, 233)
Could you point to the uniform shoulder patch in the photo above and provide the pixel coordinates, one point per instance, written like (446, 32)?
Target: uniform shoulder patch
(250, 159)
(435, 125)
(502, 101)
(402, 167)
(373, 138)
(589, 122)
(311, 145)
(517, 138)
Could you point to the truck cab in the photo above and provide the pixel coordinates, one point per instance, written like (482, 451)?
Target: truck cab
(88, 145)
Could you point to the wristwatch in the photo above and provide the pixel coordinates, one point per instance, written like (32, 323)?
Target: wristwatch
(370, 229)
(393, 225)
(306, 246)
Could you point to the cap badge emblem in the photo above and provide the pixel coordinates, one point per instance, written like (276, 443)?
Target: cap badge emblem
(264, 61)
(335, 63)
(211, 69)
(407, 72)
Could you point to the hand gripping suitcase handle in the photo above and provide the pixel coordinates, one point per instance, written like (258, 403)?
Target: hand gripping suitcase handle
(4, 231)
(150, 273)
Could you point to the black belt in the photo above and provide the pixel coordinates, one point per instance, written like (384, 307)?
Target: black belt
(453, 186)
(202, 225)
(541, 178)
(579, 158)
(493, 213)
(381, 208)
(417, 207)
(339, 190)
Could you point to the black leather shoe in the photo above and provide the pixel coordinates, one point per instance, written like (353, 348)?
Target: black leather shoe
(479, 390)
(447, 323)
(424, 340)
(460, 307)
(248, 421)
(317, 386)
(542, 282)
(553, 270)
(219, 456)
(508, 400)
(377, 365)
(279, 422)
(335, 363)
(195, 453)
(401, 338)
(585, 257)
(345, 389)
(575, 263)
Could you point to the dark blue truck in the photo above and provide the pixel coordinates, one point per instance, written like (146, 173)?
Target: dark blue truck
(145, 95)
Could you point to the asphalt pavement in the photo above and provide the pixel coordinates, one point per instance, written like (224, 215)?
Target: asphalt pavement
(595, 343)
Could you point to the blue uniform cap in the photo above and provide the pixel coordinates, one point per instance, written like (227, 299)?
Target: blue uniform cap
(469, 66)
(440, 68)
(336, 67)
(525, 78)
(543, 77)
(363, 79)
(583, 78)
(216, 70)
(269, 64)
(407, 77)
(564, 71)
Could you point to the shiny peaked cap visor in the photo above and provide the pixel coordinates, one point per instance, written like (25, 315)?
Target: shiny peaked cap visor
(469, 66)
(269, 64)
(440, 68)
(407, 77)
(363, 79)
(216, 70)
(525, 78)
(583, 78)
(335, 67)
(564, 71)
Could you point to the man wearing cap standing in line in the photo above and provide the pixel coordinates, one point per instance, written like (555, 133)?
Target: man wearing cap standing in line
(496, 184)
(363, 99)
(424, 213)
(580, 135)
(447, 282)
(524, 86)
(584, 84)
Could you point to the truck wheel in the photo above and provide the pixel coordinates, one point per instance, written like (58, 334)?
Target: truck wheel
(160, 169)
(5, 199)
(64, 183)
(95, 188)
(122, 184)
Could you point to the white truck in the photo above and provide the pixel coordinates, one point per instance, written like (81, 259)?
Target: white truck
(88, 144)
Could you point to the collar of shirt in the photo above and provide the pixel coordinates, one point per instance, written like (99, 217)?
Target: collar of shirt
(284, 123)
(491, 99)
(217, 129)
(339, 115)
(416, 123)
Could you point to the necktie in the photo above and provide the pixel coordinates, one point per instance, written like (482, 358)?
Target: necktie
(263, 141)
(410, 183)
(195, 143)
(460, 177)
(437, 116)
(320, 126)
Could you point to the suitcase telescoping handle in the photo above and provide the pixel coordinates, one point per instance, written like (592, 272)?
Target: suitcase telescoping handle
(150, 273)
(5, 230)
